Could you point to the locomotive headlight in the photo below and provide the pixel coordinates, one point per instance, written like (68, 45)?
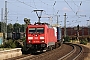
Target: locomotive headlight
(29, 41)
(42, 41)
(41, 37)
(29, 38)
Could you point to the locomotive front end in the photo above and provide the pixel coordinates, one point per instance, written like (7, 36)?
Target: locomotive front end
(35, 37)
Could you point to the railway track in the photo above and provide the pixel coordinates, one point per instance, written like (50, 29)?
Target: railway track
(74, 54)
(66, 52)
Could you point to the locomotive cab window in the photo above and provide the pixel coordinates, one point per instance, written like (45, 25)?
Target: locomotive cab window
(32, 30)
(40, 30)
(36, 30)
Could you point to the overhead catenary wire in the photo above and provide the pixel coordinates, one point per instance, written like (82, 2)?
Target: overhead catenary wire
(69, 6)
(15, 12)
(79, 8)
(75, 3)
(53, 7)
(34, 3)
(45, 3)
(26, 4)
(49, 5)
(16, 5)
(76, 13)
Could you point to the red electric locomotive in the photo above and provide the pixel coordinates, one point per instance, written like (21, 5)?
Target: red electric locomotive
(40, 37)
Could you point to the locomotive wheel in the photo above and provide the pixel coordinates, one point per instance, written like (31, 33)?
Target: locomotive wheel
(50, 48)
(56, 45)
(46, 48)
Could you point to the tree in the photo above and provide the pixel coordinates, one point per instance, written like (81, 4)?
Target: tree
(2, 27)
(9, 28)
(16, 27)
(22, 28)
(12, 27)
(67, 39)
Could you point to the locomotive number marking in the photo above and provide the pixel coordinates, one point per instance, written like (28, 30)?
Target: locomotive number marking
(36, 37)
(36, 41)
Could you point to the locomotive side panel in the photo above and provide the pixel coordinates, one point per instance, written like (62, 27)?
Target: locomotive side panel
(51, 37)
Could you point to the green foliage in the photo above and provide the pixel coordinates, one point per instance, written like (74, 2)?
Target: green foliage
(22, 28)
(84, 41)
(2, 26)
(67, 39)
(10, 28)
(10, 44)
(15, 27)
(23, 39)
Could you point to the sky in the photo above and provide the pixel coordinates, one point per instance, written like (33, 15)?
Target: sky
(77, 11)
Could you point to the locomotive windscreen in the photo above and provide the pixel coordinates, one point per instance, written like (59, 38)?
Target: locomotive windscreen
(36, 30)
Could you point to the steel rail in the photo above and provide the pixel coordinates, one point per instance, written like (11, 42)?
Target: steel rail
(79, 53)
(72, 52)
